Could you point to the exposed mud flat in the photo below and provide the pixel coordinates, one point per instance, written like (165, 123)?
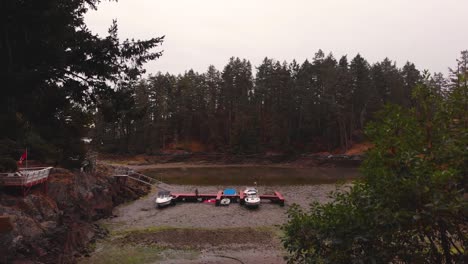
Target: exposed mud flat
(143, 213)
(189, 245)
(220, 160)
(249, 175)
(202, 232)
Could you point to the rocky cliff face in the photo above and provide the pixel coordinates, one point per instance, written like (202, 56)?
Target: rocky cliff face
(57, 227)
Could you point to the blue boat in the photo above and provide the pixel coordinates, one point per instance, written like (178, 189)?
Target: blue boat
(229, 192)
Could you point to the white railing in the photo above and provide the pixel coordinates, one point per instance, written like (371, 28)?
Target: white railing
(24, 176)
(129, 173)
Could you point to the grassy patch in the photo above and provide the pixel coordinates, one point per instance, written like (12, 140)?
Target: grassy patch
(197, 238)
(109, 226)
(151, 229)
(158, 243)
(108, 253)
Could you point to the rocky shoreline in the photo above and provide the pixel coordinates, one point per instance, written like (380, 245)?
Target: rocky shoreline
(58, 227)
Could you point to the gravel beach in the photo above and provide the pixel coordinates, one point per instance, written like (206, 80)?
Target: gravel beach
(205, 233)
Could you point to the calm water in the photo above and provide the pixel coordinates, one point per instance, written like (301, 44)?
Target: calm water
(250, 175)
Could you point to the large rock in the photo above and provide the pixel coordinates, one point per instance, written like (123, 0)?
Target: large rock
(57, 226)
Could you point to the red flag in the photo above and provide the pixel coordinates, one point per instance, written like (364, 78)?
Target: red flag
(23, 157)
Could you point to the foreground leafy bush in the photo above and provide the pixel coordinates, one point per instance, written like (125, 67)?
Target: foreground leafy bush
(409, 207)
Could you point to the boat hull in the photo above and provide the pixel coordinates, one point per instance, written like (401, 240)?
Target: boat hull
(163, 203)
(252, 205)
(252, 202)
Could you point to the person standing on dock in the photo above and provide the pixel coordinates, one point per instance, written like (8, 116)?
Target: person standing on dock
(196, 192)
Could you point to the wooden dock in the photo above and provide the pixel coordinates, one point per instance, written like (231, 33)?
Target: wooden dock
(122, 174)
(277, 197)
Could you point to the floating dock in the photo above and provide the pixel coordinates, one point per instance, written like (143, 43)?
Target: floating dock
(240, 198)
(122, 173)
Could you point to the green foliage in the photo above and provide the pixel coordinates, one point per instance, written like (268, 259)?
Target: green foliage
(9, 148)
(9, 151)
(8, 165)
(410, 206)
(39, 149)
(56, 72)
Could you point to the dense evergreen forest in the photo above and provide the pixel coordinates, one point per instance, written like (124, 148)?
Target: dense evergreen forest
(55, 73)
(318, 105)
(63, 83)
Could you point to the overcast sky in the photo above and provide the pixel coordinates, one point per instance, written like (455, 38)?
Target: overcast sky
(198, 33)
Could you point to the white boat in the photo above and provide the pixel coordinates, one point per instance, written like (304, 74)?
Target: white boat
(252, 201)
(250, 191)
(164, 199)
(225, 201)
